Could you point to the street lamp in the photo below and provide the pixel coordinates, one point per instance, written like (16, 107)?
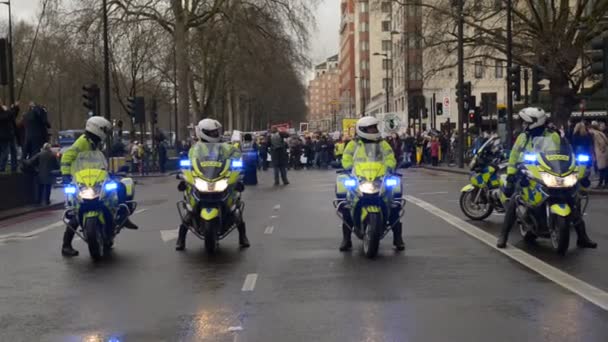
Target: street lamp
(11, 78)
(385, 55)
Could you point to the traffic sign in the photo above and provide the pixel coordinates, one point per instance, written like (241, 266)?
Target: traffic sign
(446, 104)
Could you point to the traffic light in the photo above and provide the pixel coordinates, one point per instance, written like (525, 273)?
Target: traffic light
(137, 109)
(471, 115)
(515, 76)
(411, 109)
(478, 117)
(425, 113)
(467, 90)
(502, 113)
(439, 107)
(537, 76)
(599, 57)
(91, 98)
(154, 112)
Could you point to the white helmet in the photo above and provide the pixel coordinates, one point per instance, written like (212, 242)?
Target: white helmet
(534, 117)
(367, 128)
(98, 126)
(209, 130)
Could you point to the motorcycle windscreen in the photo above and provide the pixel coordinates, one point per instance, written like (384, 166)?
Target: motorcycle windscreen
(90, 168)
(369, 161)
(210, 160)
(554, 154)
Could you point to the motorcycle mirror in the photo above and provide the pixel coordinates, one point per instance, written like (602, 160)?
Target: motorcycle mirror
(181, 186)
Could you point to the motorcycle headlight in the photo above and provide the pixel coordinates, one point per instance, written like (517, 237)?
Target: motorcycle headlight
(552, 181)
(88, 193)
(369, 188)
(204, 186)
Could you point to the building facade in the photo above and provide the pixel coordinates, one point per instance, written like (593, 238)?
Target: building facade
(347, 60)
(362, 55)
(323, 94)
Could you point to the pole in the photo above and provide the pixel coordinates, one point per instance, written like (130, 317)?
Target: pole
(526, 97)
(434, 112)
(386, 85)
(11, 73)
(461, 113)
(509, 85)
(175, 94)
(106, 61)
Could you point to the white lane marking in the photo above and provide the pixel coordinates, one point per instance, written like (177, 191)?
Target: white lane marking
(269, 230)
(434, 193)
(277, 207)
(274, 216)
(579, 287)
(250, 281)
(235, 328)
(31, 233)
(168, 235)
(140, 211)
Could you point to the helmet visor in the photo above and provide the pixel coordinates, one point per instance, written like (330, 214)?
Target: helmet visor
(215, 133)
(373, 129)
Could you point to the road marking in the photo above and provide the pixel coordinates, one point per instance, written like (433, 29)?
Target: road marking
(274, 216)
(168, 235)
(31, 233)
(235, 328)
(434, 193)
(579, 287)
(250, 281)
(269, 230)
(277, 207)
(140, 211)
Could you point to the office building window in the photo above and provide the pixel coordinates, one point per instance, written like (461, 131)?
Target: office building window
(386, 7)
(387, 82)
(386, 45)
(364, 46)
(364, 65)
(387, 64)
(364, 7)
(478, 69)
(386, 26)
(498, 69)
(364, 27)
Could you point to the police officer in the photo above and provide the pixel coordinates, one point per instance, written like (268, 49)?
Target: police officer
(96, 131)
(368, 133)
(209, 131)
(535, 122)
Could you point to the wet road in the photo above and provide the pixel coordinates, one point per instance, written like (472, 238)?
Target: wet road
(294, 285)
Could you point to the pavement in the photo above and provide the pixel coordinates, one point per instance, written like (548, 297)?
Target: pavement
(57, 202)
(450, 284)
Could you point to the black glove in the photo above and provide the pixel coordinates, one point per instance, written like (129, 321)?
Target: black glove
(67, 179)
(509, 187)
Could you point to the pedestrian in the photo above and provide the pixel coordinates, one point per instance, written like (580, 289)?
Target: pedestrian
(600, 152)
(135, 160)
(263, 152)
(309, 152)
(249, 152)
(36, 130)
(278, 150)
(395, 143)
(435, 151)
(8, 131)
(409, 146)
(162, 155)
(581, 140)
(45, 163)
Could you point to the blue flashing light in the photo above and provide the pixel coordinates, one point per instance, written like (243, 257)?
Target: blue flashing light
(69, 189)
(237, 164)
(530, 158)
(349, 183)
(391, 182)
(583, 158)
(185, 163)
(110, 186)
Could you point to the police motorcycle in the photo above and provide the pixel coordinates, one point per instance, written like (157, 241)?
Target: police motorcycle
(481, 196)
(369, 199)
(92, 201)
(210, 182)
(549, 200)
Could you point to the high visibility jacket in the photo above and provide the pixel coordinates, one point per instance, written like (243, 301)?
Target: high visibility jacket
(522, 145)
(355, 150)
(339, 149)
(228, 151)
(82, 144)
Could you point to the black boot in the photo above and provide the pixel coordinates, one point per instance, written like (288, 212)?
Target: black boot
(130, 225)
(180, 245)
(347, 243)
(66, 249)
(243, 240)
(583, 240)
(398, 237)
(510, 217)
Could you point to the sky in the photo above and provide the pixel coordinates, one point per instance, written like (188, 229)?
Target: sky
(24, 9)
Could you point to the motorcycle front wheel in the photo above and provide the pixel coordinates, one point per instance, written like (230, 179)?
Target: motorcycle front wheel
(473, 210)
(372, 234)
(560, 234)
(95, 241)
(211, 236)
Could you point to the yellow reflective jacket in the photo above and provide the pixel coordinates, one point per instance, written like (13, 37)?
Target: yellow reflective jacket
(523, 144)
(82, 144)
(357, 146)
(339, 149)
(227, 150)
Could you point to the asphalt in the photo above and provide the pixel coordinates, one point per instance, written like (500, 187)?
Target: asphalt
(293, 284)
